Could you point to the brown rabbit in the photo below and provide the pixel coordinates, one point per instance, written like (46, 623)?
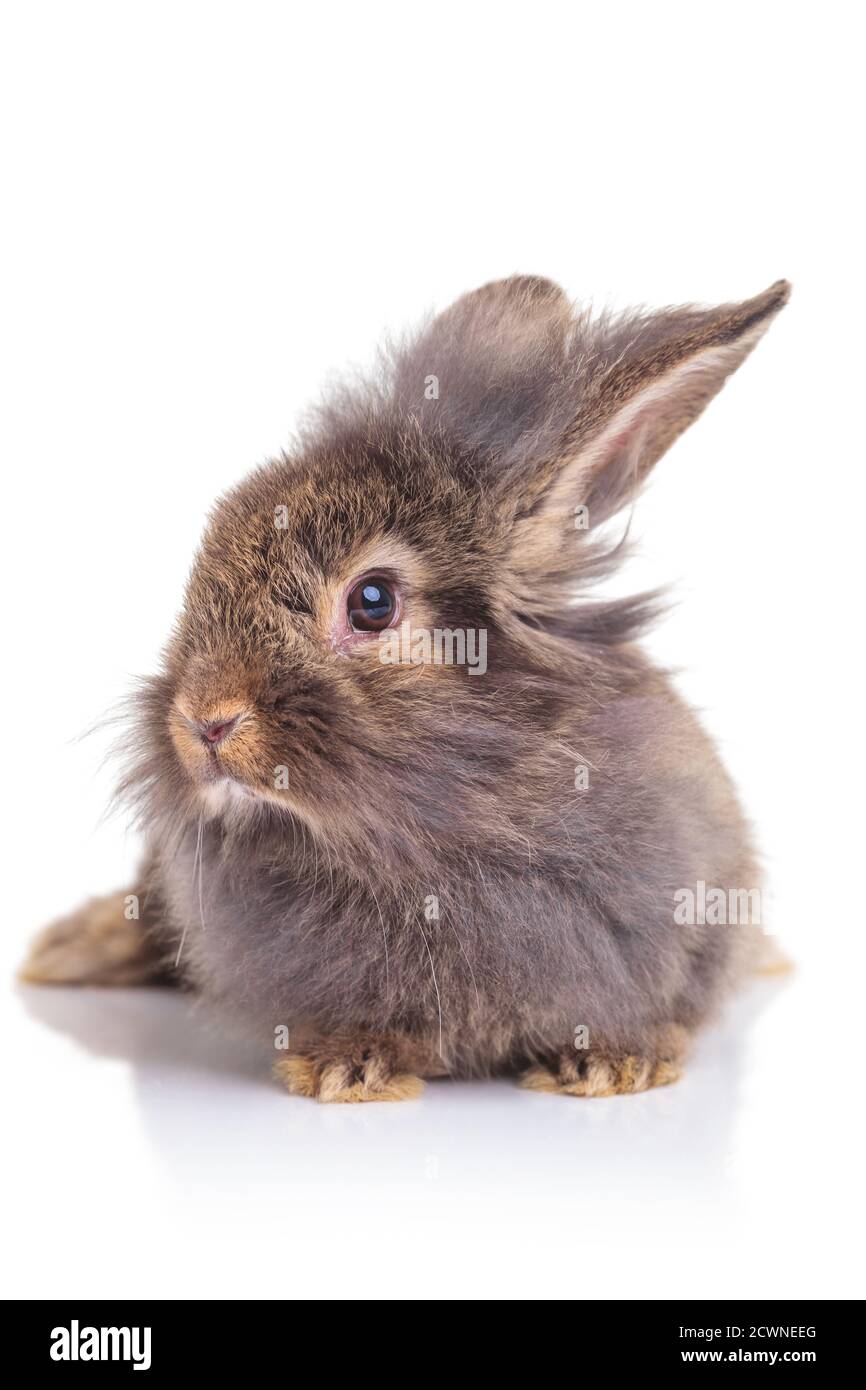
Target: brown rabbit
(410, 808)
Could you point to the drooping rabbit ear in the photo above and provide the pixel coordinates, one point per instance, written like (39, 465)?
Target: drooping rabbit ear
(621, 393)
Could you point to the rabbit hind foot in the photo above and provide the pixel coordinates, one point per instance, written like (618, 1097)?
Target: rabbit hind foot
(102, 943)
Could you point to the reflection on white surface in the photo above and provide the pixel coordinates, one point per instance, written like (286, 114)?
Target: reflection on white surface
(199, 1094)
(149, 1156)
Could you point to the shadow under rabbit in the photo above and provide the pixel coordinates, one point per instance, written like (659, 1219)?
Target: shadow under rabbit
(212, 1114)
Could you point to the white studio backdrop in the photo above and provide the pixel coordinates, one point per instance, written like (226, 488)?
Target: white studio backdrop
(209, 210)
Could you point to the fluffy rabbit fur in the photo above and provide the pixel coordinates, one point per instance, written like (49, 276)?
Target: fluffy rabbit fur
(393, 861)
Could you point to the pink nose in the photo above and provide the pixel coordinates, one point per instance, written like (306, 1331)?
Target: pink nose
(217, 730)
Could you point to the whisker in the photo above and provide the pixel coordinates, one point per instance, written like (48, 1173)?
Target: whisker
(435, 986)
(200, 857)
(466, 958)
(196, 873)
(384, 938)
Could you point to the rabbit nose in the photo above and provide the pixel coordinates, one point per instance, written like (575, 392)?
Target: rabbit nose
(217, 730)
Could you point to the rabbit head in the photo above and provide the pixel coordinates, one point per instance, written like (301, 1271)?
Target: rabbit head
(305, 688)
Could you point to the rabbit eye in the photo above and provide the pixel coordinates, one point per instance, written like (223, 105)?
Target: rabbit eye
(372, 604)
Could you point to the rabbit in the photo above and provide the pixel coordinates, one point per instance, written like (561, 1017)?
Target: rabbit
(391, 865)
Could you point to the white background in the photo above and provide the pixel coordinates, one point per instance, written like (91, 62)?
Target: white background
(206, 210)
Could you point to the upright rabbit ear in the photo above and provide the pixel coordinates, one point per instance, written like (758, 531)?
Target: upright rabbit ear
(481, 371)
(620, 393)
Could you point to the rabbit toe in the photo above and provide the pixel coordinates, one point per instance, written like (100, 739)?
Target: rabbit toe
(366, 1076)
(611, 1074)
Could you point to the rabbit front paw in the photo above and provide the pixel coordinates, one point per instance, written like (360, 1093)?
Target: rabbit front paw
(347, 1074)
(601, 1073)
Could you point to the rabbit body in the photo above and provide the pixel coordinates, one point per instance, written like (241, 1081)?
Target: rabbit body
(409, 866)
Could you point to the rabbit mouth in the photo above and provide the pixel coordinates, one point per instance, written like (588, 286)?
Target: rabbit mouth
(224, 783)
(224, 793)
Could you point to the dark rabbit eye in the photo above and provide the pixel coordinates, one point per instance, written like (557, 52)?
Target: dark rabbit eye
(371, 605)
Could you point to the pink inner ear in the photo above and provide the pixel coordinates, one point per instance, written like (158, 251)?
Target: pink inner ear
(611, 465)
